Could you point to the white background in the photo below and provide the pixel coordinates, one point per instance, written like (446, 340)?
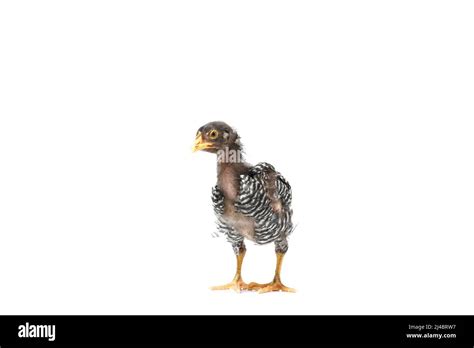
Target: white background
(366, 107)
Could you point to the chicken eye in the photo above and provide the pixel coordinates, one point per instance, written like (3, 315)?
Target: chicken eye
(213, 134)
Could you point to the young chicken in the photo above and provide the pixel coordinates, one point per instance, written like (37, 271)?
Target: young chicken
(250, 202)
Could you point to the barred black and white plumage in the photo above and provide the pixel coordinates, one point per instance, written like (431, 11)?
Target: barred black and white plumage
(250, 202)
(260, 190)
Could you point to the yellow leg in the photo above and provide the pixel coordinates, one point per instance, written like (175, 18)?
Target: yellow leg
(276, 284)
(237, 283)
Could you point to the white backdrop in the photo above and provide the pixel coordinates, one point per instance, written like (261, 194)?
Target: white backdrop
(366, 107)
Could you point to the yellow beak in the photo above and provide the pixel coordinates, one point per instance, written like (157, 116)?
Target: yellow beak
(200, 144)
